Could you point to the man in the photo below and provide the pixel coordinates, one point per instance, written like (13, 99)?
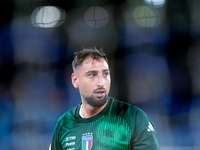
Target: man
(101, 122)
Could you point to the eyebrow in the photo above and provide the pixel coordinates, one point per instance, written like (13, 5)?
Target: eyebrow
(94, 71)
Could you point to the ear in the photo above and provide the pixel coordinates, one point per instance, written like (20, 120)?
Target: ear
(75, 80)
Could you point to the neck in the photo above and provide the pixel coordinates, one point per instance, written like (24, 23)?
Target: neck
(90, 111)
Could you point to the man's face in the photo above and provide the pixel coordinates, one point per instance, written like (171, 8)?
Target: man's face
(93, 81)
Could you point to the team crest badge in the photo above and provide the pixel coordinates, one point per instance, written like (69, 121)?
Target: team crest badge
(87, 142)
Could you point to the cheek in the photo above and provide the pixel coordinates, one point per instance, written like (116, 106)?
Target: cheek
(108, 83)
(85, 86)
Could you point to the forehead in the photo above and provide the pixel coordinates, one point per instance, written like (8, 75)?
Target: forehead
(94, 64)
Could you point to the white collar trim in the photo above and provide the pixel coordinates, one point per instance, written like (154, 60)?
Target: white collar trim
(80, 111)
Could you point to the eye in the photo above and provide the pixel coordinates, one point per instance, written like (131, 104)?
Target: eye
(105, 73)
(91, 74)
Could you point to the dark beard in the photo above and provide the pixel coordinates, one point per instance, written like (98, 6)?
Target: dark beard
(96, 103)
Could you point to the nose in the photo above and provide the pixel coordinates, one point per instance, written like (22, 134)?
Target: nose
(101, 81)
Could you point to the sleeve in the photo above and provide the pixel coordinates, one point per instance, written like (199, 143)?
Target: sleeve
(55, 145)
(144, 136)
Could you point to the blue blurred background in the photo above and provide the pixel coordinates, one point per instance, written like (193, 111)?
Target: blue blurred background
(153, 49)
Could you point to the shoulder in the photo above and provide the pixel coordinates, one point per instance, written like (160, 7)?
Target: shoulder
(125, 107)
(66, 117)
(121, 105)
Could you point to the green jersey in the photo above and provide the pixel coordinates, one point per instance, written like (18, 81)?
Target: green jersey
(119, 126)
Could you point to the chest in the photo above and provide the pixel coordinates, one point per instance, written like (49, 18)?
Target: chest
(102, 134)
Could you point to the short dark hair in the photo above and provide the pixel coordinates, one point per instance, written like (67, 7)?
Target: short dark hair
(90, 52)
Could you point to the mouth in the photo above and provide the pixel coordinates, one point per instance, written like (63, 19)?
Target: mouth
(100, 93)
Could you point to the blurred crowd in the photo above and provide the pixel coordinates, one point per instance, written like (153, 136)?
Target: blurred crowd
(153, 54)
